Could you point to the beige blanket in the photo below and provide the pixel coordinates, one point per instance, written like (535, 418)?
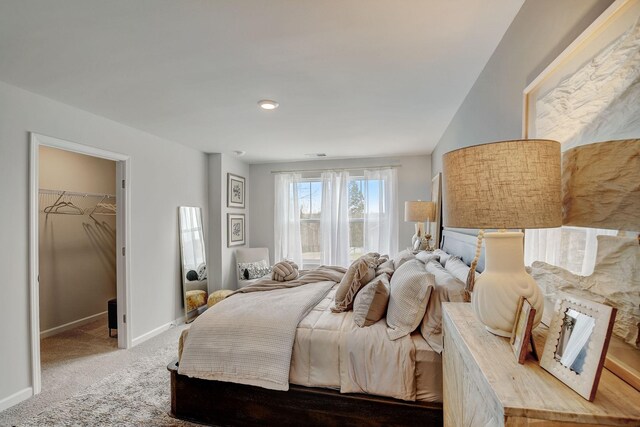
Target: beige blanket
(248, 338)
(320, 274)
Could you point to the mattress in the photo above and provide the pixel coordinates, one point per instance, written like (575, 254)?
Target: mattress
(330, 351)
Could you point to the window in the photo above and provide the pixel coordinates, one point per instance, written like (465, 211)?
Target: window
(363, 196)
(310, 204)
(333, 217)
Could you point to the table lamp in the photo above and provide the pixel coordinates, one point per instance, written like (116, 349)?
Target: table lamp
(503, 185)
(601, 185)
(419, 211)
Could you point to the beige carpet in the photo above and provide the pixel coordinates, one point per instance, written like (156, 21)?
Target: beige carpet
(87, 381)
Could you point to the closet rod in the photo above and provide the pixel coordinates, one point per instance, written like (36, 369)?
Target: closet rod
(338, 169)
(75, 193)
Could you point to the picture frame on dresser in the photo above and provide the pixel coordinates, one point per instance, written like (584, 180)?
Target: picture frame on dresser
(577, 343)
(235, 191)
(521, 340)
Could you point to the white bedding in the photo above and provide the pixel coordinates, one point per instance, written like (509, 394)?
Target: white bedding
(330, 351)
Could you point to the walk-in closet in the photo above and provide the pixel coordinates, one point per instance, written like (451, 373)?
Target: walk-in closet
(77, 258)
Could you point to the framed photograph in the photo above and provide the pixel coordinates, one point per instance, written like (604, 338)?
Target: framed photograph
(235, 229)
(235, 191)
(577, 343)
(521, 334)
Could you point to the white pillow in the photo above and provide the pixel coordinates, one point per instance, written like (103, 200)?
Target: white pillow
(426, 256)
(411, 287)
(402, 257)
(444, 257)
(447, 289)
(458, 268)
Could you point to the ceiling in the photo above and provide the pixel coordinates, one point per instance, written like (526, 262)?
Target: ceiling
(353, 78)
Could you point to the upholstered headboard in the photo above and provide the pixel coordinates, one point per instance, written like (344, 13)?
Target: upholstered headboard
(462, 245)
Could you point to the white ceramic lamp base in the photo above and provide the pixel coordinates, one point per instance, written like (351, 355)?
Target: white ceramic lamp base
(497, 290)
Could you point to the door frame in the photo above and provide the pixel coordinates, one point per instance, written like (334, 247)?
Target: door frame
(123, 240)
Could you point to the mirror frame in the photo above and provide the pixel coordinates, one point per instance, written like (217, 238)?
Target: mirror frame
(191, 315)
(585, 383)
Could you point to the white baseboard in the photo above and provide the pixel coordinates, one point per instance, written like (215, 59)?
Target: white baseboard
(157, 331)
(15, 398)
(70, 325)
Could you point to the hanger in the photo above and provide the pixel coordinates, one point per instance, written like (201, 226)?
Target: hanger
(102, 208)
(58, 205)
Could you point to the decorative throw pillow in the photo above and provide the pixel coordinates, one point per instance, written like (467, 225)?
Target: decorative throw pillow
(253, 270)
(359, 273)
(402, 257)
(192, 275)
(458, 268)
(370, 304)
(202, 271)
(385, 268)
(444, 257)
(411, 287)
(447, 289)
(425, 256)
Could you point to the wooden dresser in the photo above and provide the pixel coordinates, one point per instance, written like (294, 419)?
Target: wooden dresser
(485, 386)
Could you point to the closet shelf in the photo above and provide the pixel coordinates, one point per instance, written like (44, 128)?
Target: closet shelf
(64, 202)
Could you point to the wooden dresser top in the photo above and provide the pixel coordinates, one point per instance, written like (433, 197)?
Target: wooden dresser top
(528, 390)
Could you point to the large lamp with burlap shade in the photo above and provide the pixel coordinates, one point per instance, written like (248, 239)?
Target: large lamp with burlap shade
(503, 185)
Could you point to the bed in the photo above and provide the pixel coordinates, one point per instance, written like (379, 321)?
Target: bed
(325, 385)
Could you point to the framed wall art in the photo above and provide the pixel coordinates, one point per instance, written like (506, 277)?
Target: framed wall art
(235, 191)
(235, 230)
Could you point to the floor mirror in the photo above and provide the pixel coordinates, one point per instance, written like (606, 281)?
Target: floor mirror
(194, 264)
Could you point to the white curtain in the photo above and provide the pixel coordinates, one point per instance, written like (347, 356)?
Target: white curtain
(191, 238)
(287, 219)
(572, 248)
(334, 219)
(381, 211)
(580, 334)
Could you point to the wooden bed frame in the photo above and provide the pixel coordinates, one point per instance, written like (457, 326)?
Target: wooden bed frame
(229, 404)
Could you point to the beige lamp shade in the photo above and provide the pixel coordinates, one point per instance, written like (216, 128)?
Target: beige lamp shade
(503, 185)
(419, 211)
(601, 185)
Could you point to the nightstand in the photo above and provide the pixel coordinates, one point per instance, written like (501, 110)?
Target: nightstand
(485, 386)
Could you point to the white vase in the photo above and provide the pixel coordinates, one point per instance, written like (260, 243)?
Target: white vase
(498, 289)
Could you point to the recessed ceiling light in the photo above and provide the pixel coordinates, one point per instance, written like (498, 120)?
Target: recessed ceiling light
(267, 104)
(239, 153)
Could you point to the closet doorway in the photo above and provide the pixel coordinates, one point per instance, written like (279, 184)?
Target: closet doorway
(78, 252)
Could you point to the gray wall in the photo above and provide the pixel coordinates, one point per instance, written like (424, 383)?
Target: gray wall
(414, 182)
(77, 254)
(492, 111)
(164, 176)
(224, 274)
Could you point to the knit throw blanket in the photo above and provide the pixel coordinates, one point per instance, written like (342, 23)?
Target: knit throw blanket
(248, 338)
